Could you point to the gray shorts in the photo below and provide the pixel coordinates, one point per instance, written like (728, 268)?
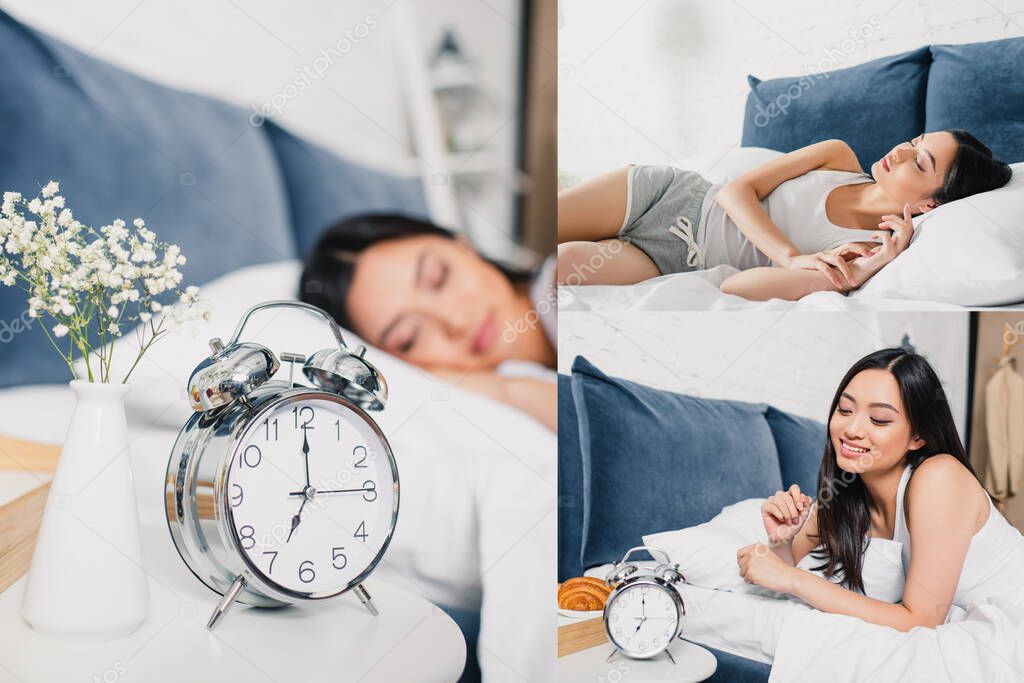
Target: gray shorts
(662, 216)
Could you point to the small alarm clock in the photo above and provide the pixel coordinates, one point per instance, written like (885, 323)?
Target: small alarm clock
(644, 612)
(280, 493)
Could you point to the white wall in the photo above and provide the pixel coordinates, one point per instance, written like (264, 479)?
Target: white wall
(792, 360)
(248, 51)
(655, 81)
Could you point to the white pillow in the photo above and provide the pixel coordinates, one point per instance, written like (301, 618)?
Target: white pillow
(969, 252)
(719, 168)
(706, 554)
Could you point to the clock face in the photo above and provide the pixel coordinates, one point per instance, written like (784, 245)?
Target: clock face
(642, 619)
(312, 495)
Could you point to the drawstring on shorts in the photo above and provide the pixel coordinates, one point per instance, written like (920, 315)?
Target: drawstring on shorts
(683, 229)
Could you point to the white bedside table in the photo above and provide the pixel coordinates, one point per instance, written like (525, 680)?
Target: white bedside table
(412, 640)
(693, 663)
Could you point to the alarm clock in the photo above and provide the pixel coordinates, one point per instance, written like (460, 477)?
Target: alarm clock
(644, 612)
(280, 493)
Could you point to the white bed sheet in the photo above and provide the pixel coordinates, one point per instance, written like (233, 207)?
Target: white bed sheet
(981, 642)
(698, 291)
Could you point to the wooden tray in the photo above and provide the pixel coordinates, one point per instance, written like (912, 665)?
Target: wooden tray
(20, 518)
(581, 636)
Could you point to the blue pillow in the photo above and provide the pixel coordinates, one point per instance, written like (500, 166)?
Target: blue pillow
(736, 669)
(800, 442)
(872, 107)
(324, 188)
(123, 147)
(654, 460)
(980, 87)
(570, 485)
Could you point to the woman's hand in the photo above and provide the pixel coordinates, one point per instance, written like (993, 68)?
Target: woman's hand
(853, 250)
(833, 265)
(760, 566)
(784, 514)
(895, 234)
(902, 229)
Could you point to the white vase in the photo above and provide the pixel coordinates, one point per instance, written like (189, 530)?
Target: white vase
(86, 581)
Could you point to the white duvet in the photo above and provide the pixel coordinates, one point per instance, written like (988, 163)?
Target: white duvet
(477, 523)
(981, 643)
(698, 291)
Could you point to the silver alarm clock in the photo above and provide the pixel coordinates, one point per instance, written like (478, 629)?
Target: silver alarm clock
(644, 612)
(277, 492)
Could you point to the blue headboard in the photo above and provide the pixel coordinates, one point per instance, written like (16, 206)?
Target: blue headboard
(231, 194)
(878, 104)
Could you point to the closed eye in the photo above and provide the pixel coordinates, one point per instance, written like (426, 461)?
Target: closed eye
(917, 161)
(443, 278)
(880, 423)
(406, 345)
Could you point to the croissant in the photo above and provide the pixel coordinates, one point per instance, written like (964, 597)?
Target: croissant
(584, 594)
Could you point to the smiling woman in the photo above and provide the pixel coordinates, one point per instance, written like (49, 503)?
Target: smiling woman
(892, 468)
(425, 295)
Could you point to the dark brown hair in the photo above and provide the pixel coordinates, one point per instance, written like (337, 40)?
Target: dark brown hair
(973, 170)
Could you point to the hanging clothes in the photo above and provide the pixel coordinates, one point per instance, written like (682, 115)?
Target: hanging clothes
(1004, 420)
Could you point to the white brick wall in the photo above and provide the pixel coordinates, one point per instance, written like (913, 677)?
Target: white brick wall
(655, 81)
(792, 360)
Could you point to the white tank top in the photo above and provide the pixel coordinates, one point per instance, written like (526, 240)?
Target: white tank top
(796, 206)
(994, 565)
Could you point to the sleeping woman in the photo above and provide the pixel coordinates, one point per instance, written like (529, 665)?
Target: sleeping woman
(893, 468)
(807, 221)
(425, 295)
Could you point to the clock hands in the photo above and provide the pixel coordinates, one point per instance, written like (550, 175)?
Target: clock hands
(307, 491)
(295, 520)
(305, 452)
(317, 491)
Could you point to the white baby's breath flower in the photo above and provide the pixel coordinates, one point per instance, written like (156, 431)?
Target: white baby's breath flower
(75, 274)
(10, 201)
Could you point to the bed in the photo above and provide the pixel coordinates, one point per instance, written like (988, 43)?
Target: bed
(244, 203)
(734, 454)
(969, 253)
